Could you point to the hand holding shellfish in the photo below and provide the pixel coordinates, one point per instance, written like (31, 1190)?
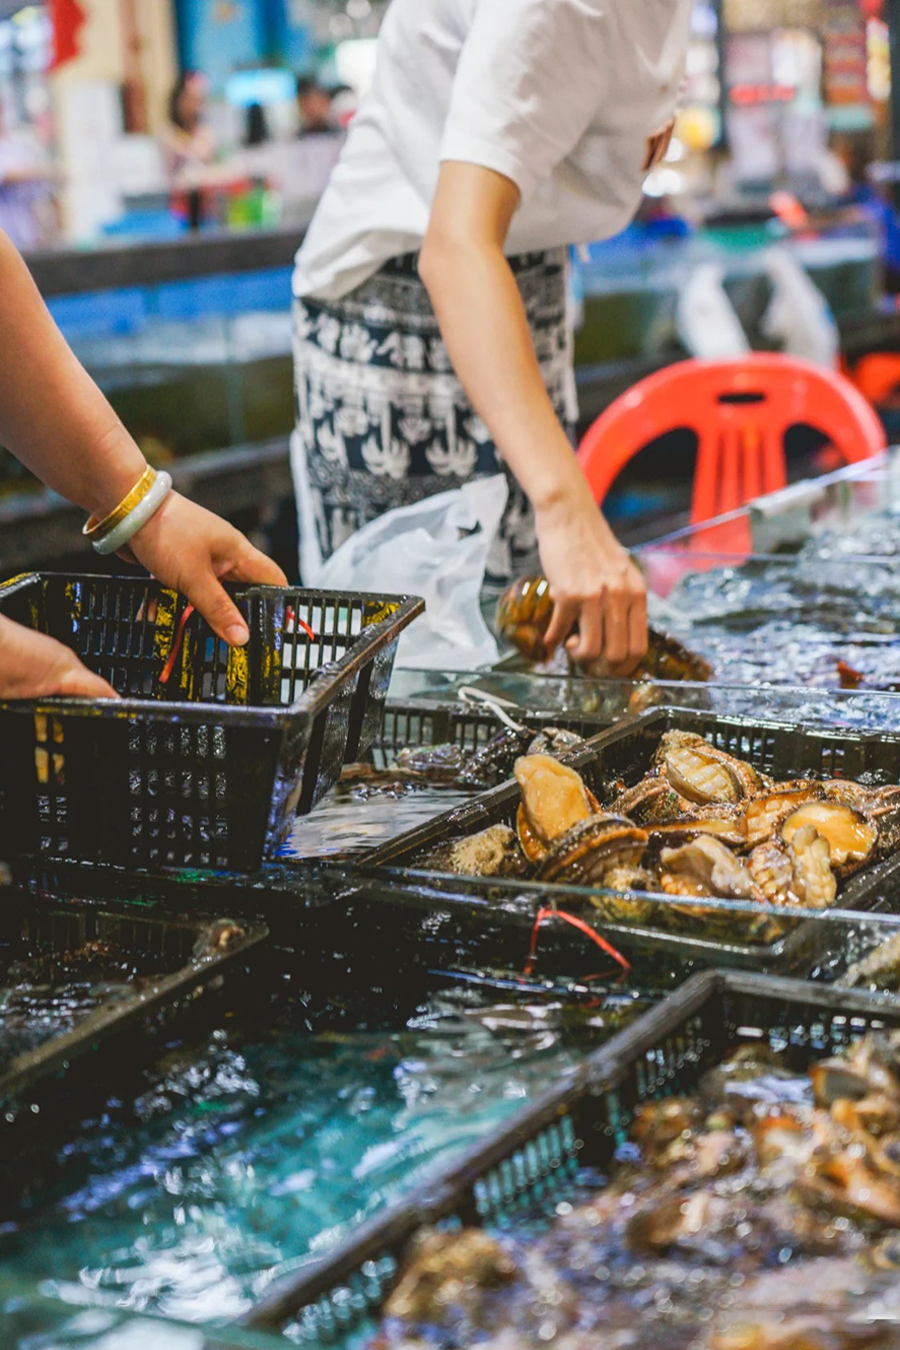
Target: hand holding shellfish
(526, 617)
(595, 588)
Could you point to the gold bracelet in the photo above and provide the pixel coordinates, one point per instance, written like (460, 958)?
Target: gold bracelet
(95, 529)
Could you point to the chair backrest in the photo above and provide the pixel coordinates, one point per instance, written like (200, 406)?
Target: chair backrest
(740, 411)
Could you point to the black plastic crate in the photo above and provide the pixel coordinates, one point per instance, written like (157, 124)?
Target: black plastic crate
(88, 1036)
(533, 1161)
(205, 768)
(171, 976)
(413, 722)
(624, 753)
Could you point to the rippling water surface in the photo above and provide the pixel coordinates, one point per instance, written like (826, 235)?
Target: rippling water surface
(46, 995)
(791, 622)
(261, 1151)
(356, 817)
(264, 1147)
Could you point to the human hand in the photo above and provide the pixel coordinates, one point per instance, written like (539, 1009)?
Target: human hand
(185, 546)
(33, 665)
(595, 586)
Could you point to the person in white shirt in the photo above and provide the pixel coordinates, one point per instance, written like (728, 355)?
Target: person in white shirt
(430, 336)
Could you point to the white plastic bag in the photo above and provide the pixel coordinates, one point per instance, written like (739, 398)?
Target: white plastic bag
(798, 313)
(706, 319)
(438, 549)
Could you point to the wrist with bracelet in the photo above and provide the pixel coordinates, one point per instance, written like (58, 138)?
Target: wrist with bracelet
(115, 530)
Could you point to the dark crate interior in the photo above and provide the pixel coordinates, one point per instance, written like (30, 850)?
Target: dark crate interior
(59, 963)
(428, 724)
(89, 991)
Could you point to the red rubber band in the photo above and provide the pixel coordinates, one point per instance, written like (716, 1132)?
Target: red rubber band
(582, 927)
(292, 618)
(167, 669)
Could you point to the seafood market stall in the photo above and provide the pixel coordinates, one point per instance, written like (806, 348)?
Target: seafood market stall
(367, 1044)
(559, 1224)
(531, 1020)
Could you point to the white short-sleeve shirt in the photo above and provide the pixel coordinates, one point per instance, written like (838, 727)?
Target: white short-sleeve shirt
(558, 95)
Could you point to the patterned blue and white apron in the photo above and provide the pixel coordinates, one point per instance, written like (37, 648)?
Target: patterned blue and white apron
(382, 420)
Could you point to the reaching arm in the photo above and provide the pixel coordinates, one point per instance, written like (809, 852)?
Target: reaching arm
(57, 422)
(483, 321)
(52, 415)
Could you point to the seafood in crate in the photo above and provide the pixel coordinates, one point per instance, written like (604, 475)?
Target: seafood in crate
(452, 764)
(719, 1176)
(766, 1194)
(701, 824)
(429, 757)
(742, 828)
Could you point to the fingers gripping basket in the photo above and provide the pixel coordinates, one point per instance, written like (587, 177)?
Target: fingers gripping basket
(212, 749)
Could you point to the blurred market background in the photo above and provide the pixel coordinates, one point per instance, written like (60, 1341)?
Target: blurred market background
(159, 160)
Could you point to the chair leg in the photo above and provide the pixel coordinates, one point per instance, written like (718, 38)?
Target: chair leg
(751, 461)
(730, 497)
(774, 464)
(704, 503)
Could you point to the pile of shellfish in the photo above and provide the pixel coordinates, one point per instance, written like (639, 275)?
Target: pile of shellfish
(701, 823)
(768, 1202)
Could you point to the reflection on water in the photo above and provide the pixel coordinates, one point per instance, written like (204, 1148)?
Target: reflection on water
(48, 995)
(789, 623)
(358, 817)
(31, 1014)
(261, 1151)
(876, 535)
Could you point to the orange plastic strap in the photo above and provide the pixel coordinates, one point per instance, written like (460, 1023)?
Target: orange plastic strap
(292, 618)
(166, 673)
(582, 927)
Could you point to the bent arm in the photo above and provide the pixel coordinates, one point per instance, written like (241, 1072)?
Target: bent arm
(485, 327)
(56, 421)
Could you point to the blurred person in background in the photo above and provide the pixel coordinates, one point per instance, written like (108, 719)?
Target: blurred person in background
(56, 421)
(187, 140)
(256, 129)
(26, 188)
(431, 343)
(314, 106)
(869, 190)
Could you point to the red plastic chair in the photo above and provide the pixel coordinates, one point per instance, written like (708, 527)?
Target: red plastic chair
(740, 411)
